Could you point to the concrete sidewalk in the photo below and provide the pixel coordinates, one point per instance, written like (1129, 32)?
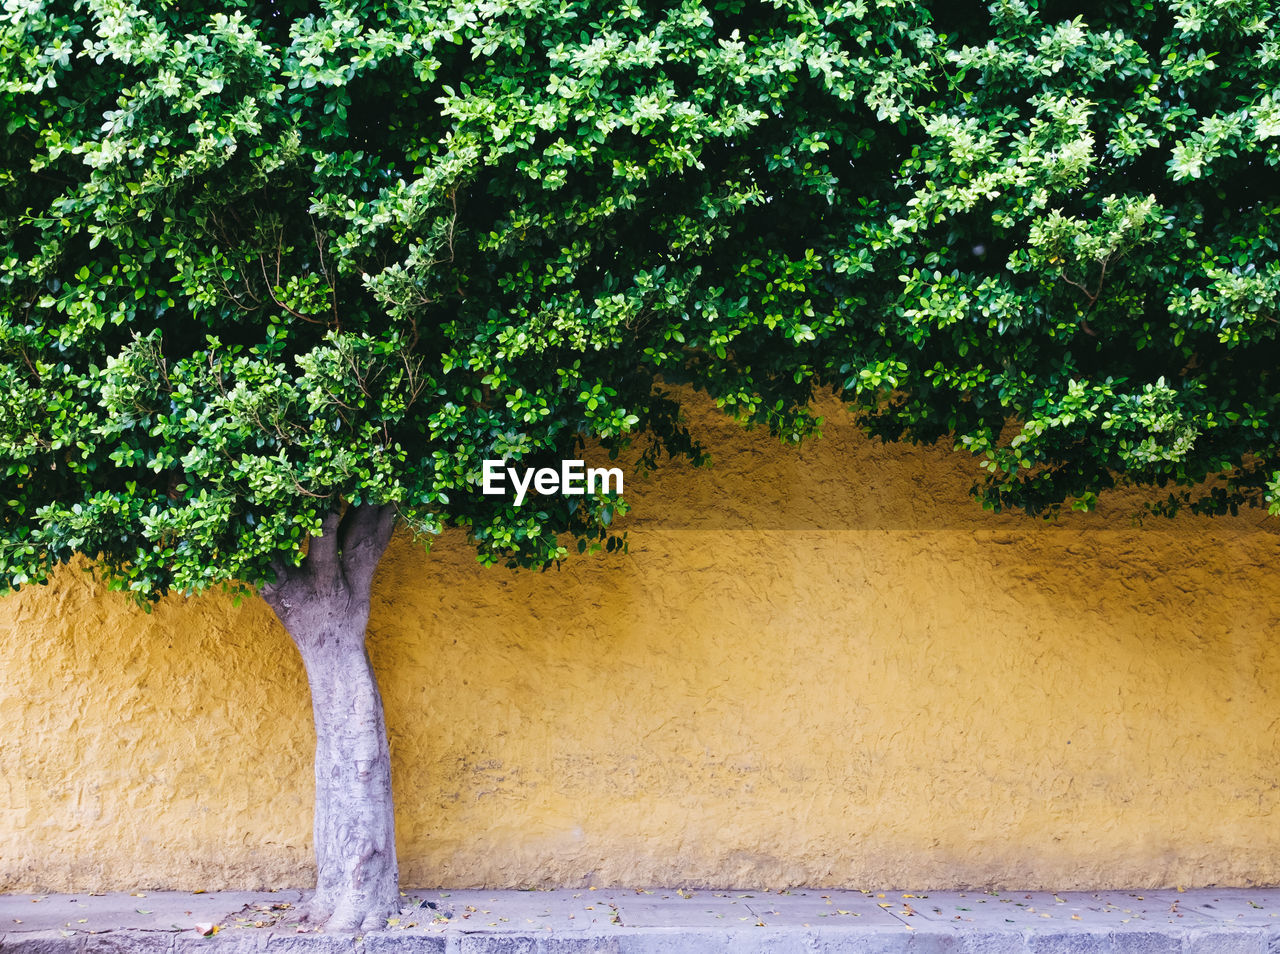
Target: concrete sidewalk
(663, 921)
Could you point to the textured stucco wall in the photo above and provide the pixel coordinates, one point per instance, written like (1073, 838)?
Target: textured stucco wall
(825, 666)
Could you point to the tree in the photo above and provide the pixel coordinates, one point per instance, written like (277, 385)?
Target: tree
(277, 276)
(280, 275)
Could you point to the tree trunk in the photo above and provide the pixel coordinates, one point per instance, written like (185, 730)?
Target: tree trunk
(324, 605)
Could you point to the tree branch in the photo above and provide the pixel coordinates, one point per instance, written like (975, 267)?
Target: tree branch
(1092, 296)
(324, 559)
(281, 568)
(364, 535)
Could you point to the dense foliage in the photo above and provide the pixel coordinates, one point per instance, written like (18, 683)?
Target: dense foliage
(1076, 274)
(260, 259)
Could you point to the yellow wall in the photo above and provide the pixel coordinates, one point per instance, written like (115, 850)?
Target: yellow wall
(855, 678)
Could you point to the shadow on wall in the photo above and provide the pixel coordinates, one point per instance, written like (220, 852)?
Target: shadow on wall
(845, 481)
(824, 666)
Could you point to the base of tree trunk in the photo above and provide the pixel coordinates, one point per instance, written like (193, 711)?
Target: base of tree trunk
(347, 916)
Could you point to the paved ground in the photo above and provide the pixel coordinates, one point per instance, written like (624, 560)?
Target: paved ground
(619, 921)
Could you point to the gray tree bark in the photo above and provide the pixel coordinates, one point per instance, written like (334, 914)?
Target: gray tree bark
(324, 606)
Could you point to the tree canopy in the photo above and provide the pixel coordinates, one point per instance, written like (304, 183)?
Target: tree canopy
(259, 258)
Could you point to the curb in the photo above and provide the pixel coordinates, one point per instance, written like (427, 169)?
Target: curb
(1243, 940)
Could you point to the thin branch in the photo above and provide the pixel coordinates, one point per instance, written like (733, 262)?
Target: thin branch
(279, 253)
(1092, 296)
(298, 488)
(324, 270)
(271, 291)
(453, 221)
(1063, 276)
(233, 297)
